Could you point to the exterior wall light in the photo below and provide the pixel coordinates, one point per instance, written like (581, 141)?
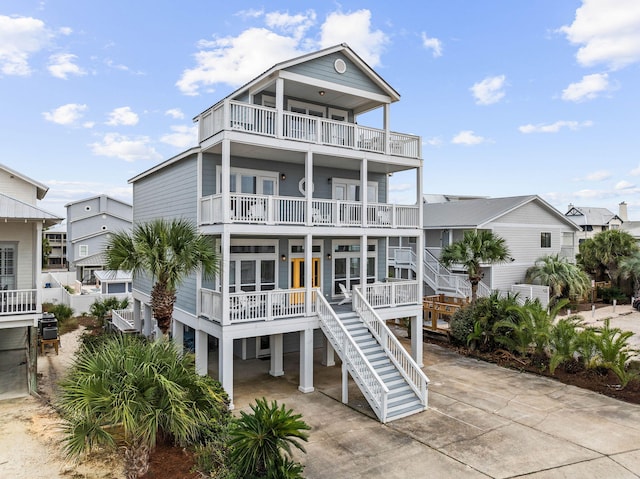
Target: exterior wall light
(283, 176)
(283, 258)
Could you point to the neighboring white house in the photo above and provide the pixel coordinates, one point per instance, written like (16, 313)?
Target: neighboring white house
(594, 220)
(21, 226)
(89, 223)
(531, 227)
(294, 193)
(56, 238)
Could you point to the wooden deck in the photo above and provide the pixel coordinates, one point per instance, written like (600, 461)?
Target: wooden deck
(438, 309)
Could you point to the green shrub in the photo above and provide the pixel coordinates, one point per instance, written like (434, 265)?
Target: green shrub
(609, 294)
(488, 311)
(562, 341)
(461, 324)
(101, 308)
(62, 312)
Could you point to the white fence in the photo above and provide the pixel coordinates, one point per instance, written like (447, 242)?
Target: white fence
(532, 292)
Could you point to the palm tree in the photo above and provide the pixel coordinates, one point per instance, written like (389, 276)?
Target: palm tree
(258, 440)
(475, 248)
(126, 392)
(166, 251)
(564, 278)
(630, 268)
(607, 248)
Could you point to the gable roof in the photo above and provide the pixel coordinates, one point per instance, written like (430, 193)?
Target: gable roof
(480, 212)
(585, 215)
(11, 208)
(342, 48)
(110, 198)
(41, 189)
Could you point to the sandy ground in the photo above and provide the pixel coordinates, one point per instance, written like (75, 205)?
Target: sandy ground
(30, 433)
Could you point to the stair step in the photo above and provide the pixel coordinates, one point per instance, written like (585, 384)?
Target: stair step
(400, 396)
(403, 411)
(395, 383)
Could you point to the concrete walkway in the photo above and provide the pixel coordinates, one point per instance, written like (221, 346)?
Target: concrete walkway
(483, 421)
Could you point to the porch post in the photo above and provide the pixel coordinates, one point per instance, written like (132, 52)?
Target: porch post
(225, 366)
(308, 181)
(225, 248)
(276, 355)
(345, 383)
(308, 274)
(363, 263)
(279, 107)
(225, 181)
(416, 339)
(202, 352)
(328, 358)
(306, 361)
(387, 130)
(364, 166)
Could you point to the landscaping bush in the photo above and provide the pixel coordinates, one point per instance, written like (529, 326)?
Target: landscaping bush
(461, 325)
(609, 294)
(62, 312)
(101, 308)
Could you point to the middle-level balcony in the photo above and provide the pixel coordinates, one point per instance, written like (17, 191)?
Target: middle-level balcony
(284, 210)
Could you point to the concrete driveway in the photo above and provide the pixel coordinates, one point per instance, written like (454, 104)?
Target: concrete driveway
(483, 421)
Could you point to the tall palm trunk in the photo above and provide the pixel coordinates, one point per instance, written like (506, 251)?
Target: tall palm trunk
(136, 460)
(162, 302)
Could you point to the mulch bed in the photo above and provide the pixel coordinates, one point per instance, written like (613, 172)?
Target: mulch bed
(599, 380)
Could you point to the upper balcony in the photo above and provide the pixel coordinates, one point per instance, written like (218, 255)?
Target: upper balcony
(233, 115)
(19, 307)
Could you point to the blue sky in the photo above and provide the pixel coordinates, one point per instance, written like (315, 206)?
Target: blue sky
(510, 97)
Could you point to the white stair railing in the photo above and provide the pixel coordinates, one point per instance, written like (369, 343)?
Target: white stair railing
(352, 356)
(445, 279)
(405, 364)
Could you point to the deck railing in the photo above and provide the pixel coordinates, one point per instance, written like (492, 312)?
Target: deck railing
(287, 210)
(123, 320)
(409, 369)
(260, 120)
(391, 294)
(18, 301)
(247, 307)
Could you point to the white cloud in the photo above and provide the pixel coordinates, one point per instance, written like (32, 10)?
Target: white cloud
(355, 30)
(129, 149)
(20, 37)
(65, 31)
(250, 13)
(598, 175)
(122, 116)
(624, 185)
(586, 89)
(608, 32)
(67, 114)
(62, 64)
(433, 141)
(175, 113)
(490, 90)
(468, 137)
(555, 127)
(235, 60)
(432, 44)
(182, 136)
(635, 171)
(297, 25)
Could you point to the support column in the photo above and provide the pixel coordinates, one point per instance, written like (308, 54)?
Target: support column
(147, 321)
(363, 263)
(225, 248)
(416, 339)
(225, 366)
(328, 356)
(308, 190)
(279, 106)
(345, 384)
(306, 361)
(364, 166)
(308, 274)
(387, 130)
(202, 352)
(137, 316)
(177, 334)
(225, 181)
(276, 355)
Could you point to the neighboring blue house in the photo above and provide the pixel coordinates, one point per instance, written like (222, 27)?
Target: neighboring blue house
(89, 222)
(295, 195)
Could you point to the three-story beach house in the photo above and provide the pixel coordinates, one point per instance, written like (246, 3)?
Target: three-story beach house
(295, 195)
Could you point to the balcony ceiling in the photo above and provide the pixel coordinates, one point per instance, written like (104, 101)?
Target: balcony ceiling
(338, 99)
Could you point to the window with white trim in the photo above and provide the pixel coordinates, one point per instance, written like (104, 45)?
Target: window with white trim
(83, 250)
(257, 182)
(252, 265)
(8, 268)
(346, 263)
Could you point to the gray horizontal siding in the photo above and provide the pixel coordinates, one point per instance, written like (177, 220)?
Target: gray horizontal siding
(322, 69)
(169, 193)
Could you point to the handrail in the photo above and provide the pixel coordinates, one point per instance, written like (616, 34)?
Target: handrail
(415, 377)
(355, 360)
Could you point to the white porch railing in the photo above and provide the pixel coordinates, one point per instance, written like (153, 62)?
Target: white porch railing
(440, 278)
(391, 294)
(287, 210)
(260, 120)
(395, 351)
(123, 320)
(18, 301)
(254, 306)
(361, 370)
